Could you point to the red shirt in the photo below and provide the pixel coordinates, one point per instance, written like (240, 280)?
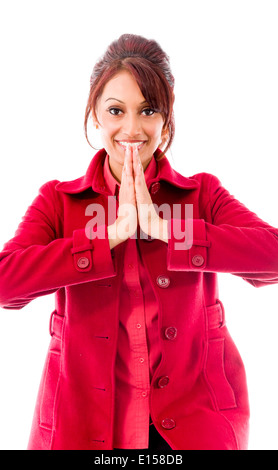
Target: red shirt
(138, 352)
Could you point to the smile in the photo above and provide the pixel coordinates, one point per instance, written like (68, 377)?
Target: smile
(124, 144)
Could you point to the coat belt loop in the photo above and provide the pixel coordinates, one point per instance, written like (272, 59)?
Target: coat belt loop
(215, 315)
(56, 324)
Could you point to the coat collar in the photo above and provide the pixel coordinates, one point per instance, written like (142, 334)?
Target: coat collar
(94, 177)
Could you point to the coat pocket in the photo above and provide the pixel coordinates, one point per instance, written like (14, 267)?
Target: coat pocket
(51, 374)
(220, 387)
(49, 389)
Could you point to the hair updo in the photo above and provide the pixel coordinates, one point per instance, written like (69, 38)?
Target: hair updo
(150, 67)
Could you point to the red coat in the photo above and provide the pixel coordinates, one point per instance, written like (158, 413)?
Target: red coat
(204, 404)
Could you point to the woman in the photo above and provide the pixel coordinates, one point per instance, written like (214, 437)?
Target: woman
(140, 356)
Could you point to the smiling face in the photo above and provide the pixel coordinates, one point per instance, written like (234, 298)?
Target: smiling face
(124, 116)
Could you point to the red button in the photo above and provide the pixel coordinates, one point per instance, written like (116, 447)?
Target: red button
(163, 281)
(83, 262)
(198, 260)
(155, 187)
(170, 332)
(163, 381)
(168, 423)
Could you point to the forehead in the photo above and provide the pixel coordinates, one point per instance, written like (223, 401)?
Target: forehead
(122, 86)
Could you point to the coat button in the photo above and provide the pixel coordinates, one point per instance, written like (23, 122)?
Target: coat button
(155, 187)
(170, 332)
(198, 260)
(163, 281)
(163, 381)
(83, 262)
(168, 423)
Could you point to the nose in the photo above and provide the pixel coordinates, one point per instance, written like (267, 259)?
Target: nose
(132, 126)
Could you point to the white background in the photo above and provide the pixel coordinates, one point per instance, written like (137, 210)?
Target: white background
(224, 58)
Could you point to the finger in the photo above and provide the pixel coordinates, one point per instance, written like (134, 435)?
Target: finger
(137, 165)
(127, 190)
(128, 161)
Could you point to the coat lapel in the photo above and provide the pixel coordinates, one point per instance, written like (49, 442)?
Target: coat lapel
(94, 177)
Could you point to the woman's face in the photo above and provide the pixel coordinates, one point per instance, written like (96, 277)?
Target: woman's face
(125, 116)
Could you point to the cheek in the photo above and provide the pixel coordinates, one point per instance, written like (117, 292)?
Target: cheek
(156, 128)
(156, 134)
(108, 131)
(108, 125)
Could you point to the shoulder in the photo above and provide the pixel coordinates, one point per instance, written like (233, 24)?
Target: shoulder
(206, 180)
(48, 189)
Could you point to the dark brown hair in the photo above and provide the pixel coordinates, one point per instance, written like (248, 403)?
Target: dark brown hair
(150, 67)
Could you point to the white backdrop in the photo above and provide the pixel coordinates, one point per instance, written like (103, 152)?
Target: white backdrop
(224, 58)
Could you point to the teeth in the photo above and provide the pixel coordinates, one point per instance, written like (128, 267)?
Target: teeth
(133, 144)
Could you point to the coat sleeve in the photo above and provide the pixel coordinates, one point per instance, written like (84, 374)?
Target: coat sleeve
(228, 239)
(37, 261)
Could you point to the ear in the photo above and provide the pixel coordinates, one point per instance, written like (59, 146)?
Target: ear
(164, 136)
(95, 122)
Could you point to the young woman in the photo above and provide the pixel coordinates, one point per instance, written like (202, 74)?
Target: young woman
(140, 356)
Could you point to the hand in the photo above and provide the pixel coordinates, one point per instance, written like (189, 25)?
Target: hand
(150, 222)
(127, 220)
(135, 204)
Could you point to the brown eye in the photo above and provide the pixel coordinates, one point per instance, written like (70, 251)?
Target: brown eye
(115, 111)
(148, 111)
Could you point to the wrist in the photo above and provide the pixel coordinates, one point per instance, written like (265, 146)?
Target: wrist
(114, 240)
(121, 230)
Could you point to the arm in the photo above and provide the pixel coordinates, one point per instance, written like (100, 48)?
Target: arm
(228, 238)
(37, 261)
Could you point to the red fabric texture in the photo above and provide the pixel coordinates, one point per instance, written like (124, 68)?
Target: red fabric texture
(197, 394)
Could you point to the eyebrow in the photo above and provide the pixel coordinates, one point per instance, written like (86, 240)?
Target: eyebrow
(122, 101)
